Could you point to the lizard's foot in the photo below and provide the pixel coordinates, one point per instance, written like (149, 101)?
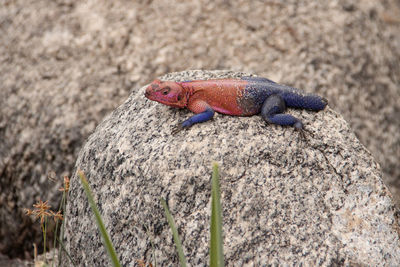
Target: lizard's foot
(303, 132)
(177, 129)
(299, 126)
(302, 135)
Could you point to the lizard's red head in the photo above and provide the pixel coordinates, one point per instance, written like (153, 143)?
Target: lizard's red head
(167, 93)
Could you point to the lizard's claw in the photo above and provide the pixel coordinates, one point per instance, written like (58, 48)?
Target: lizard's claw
(308, 132)
(303, 132)
(302, 135)
(177, 129)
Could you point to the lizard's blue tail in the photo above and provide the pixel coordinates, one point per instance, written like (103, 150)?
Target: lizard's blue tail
(304, 101)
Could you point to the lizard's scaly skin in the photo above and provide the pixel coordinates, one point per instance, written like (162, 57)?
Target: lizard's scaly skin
(240, 97)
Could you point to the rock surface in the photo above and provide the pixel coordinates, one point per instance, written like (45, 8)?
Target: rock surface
(6, 262)
(65, 64)
(320, 202)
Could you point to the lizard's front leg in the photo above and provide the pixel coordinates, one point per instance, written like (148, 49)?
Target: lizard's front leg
(204, 113)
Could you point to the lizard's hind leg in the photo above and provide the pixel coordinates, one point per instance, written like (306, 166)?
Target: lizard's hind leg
(272, 112)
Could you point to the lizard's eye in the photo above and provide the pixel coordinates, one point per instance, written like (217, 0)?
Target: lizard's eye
(179, 97)
(166, 90)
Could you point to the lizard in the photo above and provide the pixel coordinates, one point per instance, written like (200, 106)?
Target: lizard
(246, 96)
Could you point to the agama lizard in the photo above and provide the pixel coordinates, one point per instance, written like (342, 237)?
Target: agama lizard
(238, 97)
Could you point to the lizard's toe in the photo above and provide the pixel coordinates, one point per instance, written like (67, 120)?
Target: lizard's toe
(177, 129)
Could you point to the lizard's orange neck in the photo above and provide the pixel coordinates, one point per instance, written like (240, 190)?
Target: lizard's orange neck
(189, 91)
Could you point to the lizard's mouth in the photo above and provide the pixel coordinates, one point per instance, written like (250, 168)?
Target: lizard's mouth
(160, 100)
(150, 96)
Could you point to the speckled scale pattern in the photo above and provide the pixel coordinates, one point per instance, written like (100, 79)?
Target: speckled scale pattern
(245, 96)
(220, 94)
(239, 97)
(258, 89)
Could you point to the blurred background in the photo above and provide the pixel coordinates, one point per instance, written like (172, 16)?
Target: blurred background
(65, 64)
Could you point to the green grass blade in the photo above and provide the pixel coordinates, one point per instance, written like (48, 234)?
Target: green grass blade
(106, 238)
(63, 203)
(177, 241)
(66, 253)
(54, 244)
(216, 242)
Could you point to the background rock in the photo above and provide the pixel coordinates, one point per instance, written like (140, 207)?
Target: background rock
(65, 64)
(6, 262)
(320, 202)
